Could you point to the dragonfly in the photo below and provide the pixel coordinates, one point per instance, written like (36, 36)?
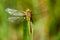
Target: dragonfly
(17, 15)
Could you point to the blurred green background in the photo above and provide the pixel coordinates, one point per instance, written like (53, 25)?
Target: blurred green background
(45, 20)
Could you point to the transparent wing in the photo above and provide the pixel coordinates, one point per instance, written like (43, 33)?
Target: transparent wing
(15, 12)
(15, 19)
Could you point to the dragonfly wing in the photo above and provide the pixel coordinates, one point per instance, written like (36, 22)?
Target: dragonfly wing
(10, 11)
(15, 12)
(12, 19)
(15, 19)
(19, 14)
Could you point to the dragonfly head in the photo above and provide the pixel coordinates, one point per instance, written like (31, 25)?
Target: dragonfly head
(28, 12)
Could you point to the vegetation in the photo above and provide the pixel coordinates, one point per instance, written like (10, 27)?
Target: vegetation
(45, 20)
